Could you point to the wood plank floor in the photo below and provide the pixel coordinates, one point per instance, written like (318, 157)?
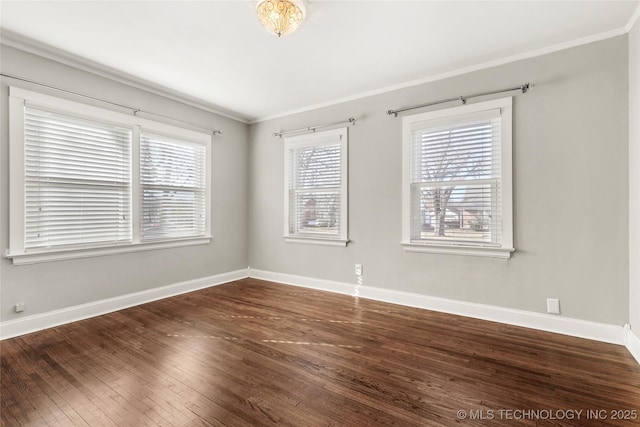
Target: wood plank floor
(256, 353)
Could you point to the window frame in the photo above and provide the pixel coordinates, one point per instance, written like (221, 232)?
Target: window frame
(329, 137)
(199, 191)
(18, 99)
(456, 115)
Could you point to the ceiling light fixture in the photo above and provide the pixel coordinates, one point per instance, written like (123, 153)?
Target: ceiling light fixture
(280, 17)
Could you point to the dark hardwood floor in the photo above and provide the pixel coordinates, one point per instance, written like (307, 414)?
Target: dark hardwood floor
(255, 353)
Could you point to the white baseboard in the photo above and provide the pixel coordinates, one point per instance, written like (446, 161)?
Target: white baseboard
(37, 322)
(304, 281)
(546, 322)
(632, 342)
(574, 327)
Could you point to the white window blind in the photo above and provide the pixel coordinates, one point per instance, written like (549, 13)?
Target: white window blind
(77, 181)
(87, 181)
(455, 180)
(315, 190)
(173, 183)
(316, 185)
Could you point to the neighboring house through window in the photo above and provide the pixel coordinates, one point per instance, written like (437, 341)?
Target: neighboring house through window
(316, 187)
(88, 181)
(457, 180)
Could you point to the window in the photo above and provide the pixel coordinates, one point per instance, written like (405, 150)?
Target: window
(172, 176)
(316, 188)
(457, 180)
(86, 181)
(77, 181)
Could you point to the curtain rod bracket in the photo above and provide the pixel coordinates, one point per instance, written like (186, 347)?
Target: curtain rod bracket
(135, 110)
(350, 120)
(524, 88)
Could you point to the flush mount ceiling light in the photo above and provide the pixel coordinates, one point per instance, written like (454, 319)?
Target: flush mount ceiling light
(280, 17)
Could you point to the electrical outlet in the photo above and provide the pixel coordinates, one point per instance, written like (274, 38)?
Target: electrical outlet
(358, 269)
(553, 306)
(19, 307)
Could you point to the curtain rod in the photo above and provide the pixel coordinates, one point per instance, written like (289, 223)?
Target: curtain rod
(134, 110)
(524, 88)
(313, 128)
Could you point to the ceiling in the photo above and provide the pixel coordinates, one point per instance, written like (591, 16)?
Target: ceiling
(217, 53)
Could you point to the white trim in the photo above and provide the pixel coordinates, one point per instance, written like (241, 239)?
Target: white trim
(632, 342)
(136, 190)
(502, 108)
(37, 322)
(317, 139)
(453, 73)
(208, 201)
(303, 281)
(528, 319)
(613, 334)
(16, 41)
(44, 50)
(604, 332)
(62, 254)
(18, 99)
(632, 21)
(16, 174)
(458, 250)
(63, 105)
(315, 241)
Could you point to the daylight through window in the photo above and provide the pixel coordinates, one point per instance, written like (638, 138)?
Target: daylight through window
(457, 192)
(316, 186)
(89, 181)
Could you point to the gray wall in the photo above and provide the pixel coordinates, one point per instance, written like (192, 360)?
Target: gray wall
(571, 187)
(55, 285)
(570, 192)
(634, 178)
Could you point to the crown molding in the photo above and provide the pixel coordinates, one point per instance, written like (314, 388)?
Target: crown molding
(632, 21)
(457, 72)
(8, 38)
(25, 44)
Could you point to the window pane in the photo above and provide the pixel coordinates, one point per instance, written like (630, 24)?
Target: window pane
(77, 181)
(171, 214)
(317, 167)
(460, 213)
(316, 212)
(453, 153)
(455, 178)
(314, 200)
(172, 176)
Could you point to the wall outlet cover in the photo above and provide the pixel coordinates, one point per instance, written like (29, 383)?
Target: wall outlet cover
(553, 306)
(358, 269)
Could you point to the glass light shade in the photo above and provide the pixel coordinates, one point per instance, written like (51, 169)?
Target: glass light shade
(279, 17)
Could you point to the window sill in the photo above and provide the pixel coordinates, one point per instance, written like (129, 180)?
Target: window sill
(316, 241)
(486, 251)
(61, 255)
